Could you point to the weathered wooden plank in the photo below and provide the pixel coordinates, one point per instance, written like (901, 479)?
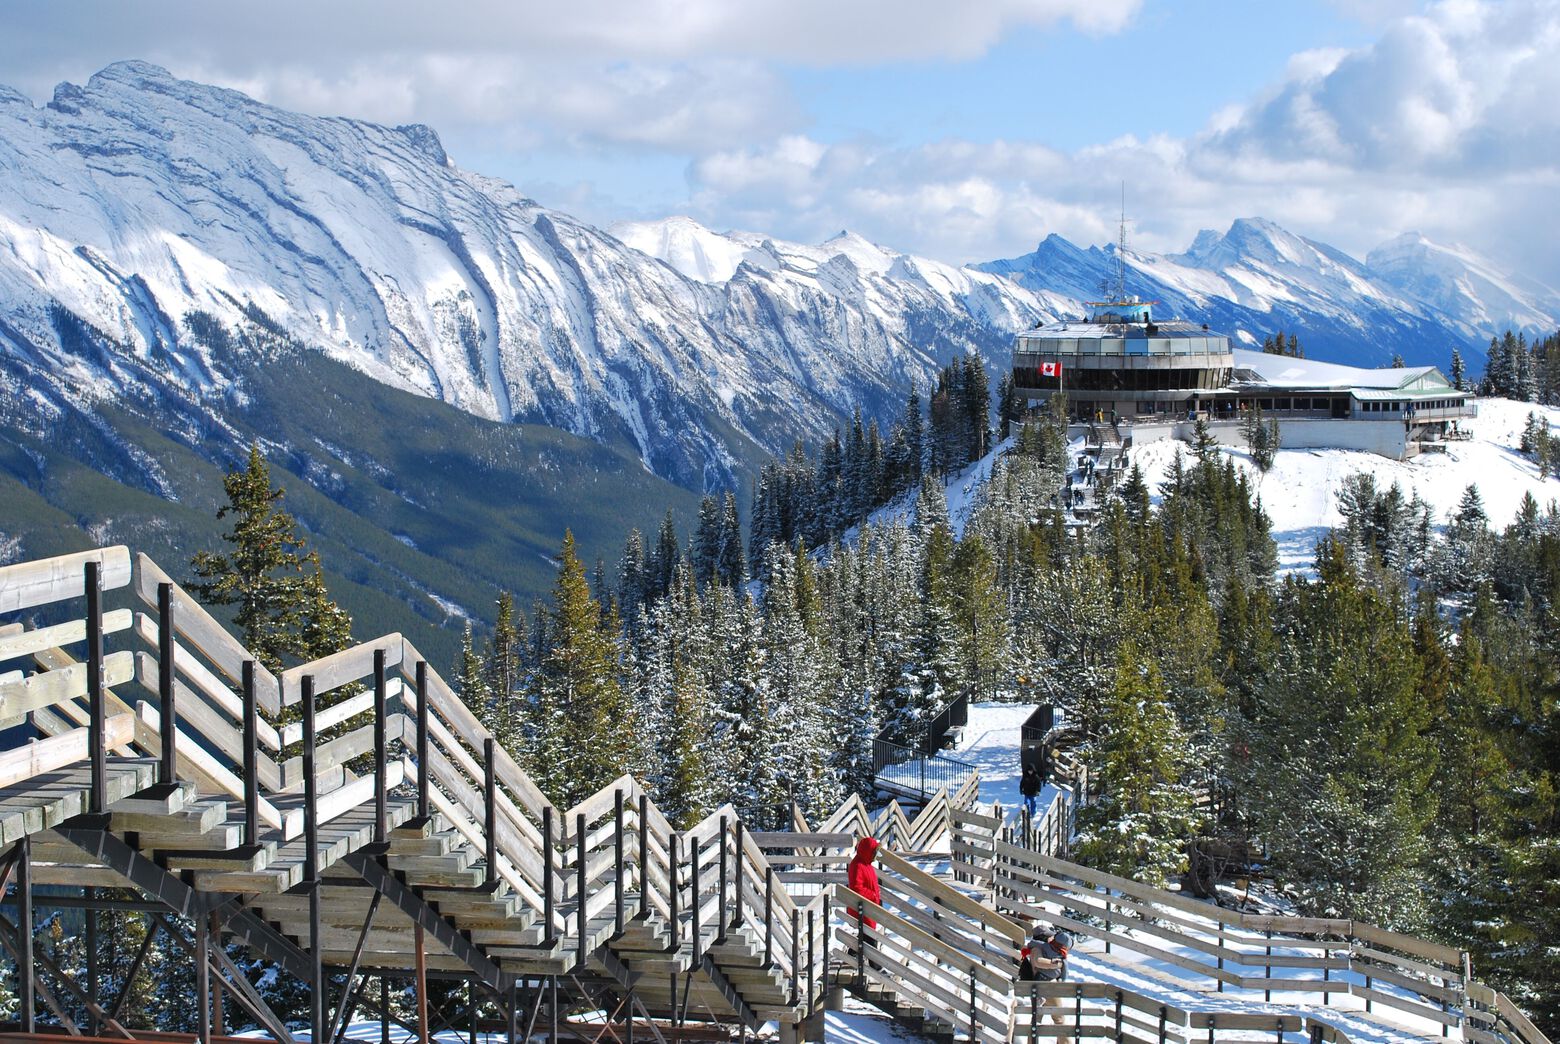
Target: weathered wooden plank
(49, 755)
(197, 716)
(1381, 937)
(227, 782)
(207, 685)
(68, 683)
(29, 584)
(342, 668)
(25, 643)
(196, 626)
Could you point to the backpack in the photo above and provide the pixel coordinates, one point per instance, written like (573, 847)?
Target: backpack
(1027, 972)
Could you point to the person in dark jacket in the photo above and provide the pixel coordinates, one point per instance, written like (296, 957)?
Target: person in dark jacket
(1029, 786)
(861, 876)
(1045, 960)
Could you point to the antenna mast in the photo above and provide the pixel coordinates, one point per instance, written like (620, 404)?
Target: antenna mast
(1121, 249)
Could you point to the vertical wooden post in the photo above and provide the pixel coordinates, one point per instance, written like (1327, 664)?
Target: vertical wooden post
(736, 875)
(673, 900)
(548, 934)
(769, 915)
(381, 751)
(422, 741)
(725, 869)
(165, 690)
(644, 855)
(311, 864)
(617, 855)
(490, 813)
(95, 720)
(579, 891)
(251, 757)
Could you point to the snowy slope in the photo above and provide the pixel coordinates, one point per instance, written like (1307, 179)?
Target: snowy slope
(1300, 493)
(138, 199)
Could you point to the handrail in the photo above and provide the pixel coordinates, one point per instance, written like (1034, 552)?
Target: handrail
(714, 877)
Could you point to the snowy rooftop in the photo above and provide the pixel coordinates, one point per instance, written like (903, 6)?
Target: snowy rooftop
(1281, 371)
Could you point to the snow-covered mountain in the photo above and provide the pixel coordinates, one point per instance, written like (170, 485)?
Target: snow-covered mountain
(144, 207)
(153, 228)
(1256, 279)
(1463, 284)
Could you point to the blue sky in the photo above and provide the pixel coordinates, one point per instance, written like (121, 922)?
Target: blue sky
(959, 131)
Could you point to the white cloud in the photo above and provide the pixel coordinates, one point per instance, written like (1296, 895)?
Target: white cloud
(1449, 123)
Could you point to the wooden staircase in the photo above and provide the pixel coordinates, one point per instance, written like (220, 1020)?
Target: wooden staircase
(352, 815)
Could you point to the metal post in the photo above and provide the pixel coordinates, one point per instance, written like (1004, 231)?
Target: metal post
(422, 739)
(974, 1026)
(512, 1031)
(769, 915)
(1221, 956)
(552, 1009)
(95, 721)
(861, 943)
(1078, 1010)
(617, 855)
(796, 955)
(420, 948)
(812, 959)
(203, 981)
(311, 865)
(90, 894)
(490, 814)
(579, 891)
(1267, 967)
(725, 868)
(693, 902)
(1119, 1000)
(644, 855)
(165, 693)
(1163, 1014)
(381, 753)
(471, 1003)
(736, 877)
(251, 757)
(672, 900)
(384, 1010)
(25, 976)
(547, 876)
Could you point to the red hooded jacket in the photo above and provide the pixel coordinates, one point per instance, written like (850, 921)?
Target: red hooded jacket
(862, 876)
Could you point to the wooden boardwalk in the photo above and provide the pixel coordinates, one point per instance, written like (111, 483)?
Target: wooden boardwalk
(351, 817)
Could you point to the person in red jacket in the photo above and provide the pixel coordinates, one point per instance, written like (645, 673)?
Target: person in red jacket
(861, 876)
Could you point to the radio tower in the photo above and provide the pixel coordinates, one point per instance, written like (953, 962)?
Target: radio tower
(1121, 250)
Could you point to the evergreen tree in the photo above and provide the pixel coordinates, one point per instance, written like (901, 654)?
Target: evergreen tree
(1140, 825)
(1459, 374)
(1341, 761)
(730, 564)
(283, 613)
(582, 744)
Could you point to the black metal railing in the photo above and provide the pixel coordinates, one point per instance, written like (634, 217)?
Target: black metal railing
(1033, 736)
(955, 715)
(906, 769)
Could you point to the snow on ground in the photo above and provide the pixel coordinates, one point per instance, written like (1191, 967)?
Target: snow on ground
(1300, 493)
(993, 743)
(861, 1023)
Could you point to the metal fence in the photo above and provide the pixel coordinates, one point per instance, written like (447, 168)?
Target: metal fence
(907, 770)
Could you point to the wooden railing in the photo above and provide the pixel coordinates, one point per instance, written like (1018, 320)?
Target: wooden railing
(386, 727)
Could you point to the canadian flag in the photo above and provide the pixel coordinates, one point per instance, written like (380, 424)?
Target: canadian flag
(1051, 369)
